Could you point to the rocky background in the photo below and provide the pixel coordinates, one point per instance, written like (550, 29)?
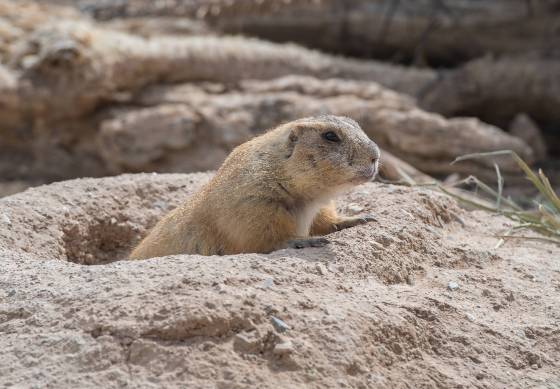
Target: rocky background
(97, 88)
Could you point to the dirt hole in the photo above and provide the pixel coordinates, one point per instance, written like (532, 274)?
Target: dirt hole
(99, 242)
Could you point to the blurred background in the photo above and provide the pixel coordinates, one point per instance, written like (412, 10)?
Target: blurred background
(98, 88)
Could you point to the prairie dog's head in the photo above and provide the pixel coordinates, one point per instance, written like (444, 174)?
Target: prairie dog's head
(330, 153)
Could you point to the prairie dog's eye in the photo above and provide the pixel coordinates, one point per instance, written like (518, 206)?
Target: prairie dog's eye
(331, 136)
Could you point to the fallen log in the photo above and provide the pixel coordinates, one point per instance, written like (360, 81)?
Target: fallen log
(83, 65)
(221, 119)
(497, 89)
(447, 32)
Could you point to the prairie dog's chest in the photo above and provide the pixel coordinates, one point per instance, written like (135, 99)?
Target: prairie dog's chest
(305, 216)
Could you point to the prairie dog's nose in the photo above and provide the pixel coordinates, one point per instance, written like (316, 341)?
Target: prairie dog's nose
(375, 154)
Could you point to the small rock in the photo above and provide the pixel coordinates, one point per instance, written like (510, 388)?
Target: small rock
(470, 317)
(410, 280)
(475, 359)
(354, 208)
(530, 333)
(534, 359)
(376, 379)
(321, 269)
(11, 293)
(283, 348)
(452, 285)
(268, 283)
(220, 288)
(113, 221)
(279, 325)
(246, 342)
(510, 297)
(228, 375)
(160, 204)
(6, 220)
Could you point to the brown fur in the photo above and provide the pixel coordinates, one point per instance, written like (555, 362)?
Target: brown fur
(271, 190)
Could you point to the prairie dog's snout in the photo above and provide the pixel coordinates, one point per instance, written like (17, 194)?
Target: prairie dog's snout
(375, 159)
(375, 155)
(368, 165)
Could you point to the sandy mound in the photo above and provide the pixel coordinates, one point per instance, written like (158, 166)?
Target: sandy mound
(376, 308)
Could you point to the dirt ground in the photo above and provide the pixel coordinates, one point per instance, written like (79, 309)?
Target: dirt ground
(419, 299)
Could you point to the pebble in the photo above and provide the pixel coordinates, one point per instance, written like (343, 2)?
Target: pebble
(246, 342)
(376, 379)
(355, 208)
(220, 288)
(279, 324)
(470, 317)
(321, 269)
(510, 297)
(6, 220)
(268, 283)
(160, 204)
(283, 348)
(410, 280)
(452, 285)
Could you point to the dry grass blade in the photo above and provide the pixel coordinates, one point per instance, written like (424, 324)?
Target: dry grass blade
(545, 220)
(549, 218)
(500, 185)
(407, 179)
(489, 191)
(528, 238)
(551, 195)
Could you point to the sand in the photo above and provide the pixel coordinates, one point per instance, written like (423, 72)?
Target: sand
(419, 298)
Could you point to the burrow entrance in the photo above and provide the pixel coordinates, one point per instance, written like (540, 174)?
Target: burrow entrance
(101, 241)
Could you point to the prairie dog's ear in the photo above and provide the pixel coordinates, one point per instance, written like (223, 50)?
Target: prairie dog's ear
(293, 138)
(294, 134)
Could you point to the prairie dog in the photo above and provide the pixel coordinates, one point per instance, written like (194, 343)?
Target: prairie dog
(272, 192)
